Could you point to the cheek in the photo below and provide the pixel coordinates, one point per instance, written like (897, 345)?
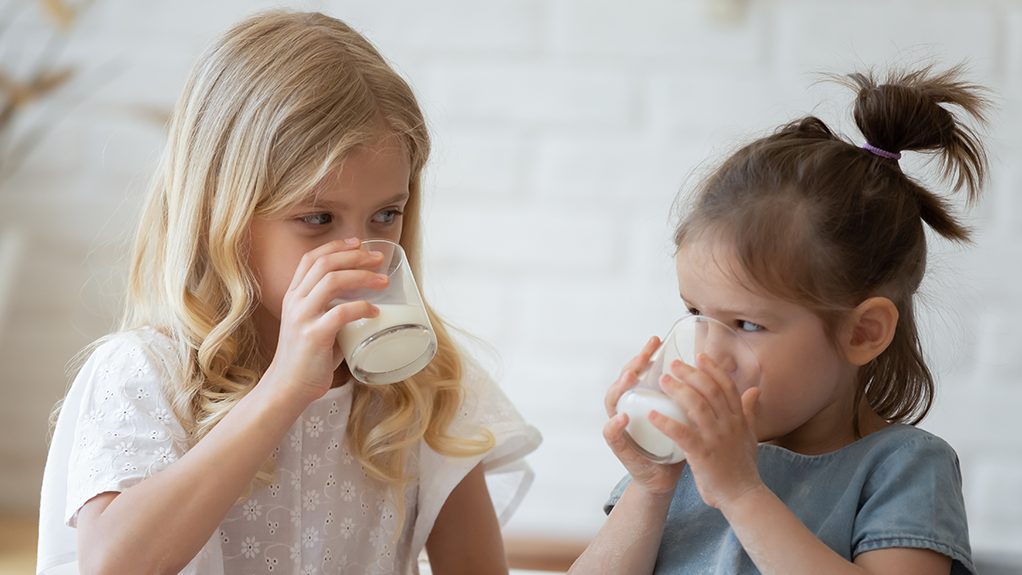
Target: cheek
(394, 234)
(273, 272)
(789, 379)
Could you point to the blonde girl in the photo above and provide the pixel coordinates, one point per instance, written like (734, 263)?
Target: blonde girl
(812, 248)
(219, 430)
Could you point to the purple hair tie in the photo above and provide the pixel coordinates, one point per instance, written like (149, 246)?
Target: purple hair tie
(882, 153)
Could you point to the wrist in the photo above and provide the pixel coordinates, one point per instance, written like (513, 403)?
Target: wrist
(651, 494)
(748, 500)
(278, 395)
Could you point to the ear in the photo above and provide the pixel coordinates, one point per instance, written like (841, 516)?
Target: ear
(870, 329)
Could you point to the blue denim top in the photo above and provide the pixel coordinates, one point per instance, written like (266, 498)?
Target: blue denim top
(898, 487)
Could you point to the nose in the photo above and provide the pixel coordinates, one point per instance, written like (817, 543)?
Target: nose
(719, 343)
(347, 232)
(730, 352)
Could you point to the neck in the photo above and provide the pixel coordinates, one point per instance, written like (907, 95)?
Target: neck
(827, 434)
(342, 375)
(267, 330)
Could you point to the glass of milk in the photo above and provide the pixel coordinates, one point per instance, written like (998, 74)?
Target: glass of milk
(688, 337)
(399, 342)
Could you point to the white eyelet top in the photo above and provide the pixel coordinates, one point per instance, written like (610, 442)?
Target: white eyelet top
(321, 515)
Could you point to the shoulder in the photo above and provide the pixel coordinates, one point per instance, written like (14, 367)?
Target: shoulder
(906, 435)
(135, 353)
(486, 405)
(123, 427)
(145, 345)
(484, 401)
(899, 444)
(912, 497)
(896, 443)
(129, 368)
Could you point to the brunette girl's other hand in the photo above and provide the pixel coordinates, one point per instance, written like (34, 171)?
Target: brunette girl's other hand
(307, 352)
(720, 444)
(629, 375)
(650, 476)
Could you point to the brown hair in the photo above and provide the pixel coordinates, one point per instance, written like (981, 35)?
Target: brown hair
(826, 224)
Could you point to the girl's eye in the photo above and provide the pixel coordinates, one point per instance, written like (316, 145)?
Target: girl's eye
(317, 219)
(386, 216)
(749, 326)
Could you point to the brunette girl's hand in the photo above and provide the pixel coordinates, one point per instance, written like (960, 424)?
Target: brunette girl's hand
(652, 477)
(720, 444)
(307, 351)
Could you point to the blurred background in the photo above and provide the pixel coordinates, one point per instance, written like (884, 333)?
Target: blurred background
(563, 131)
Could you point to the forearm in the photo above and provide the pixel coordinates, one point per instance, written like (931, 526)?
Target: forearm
(159, 524)
(465, 539)
(777, 541)
(630, 538)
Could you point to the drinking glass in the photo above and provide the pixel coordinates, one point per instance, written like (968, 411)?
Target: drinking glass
(688, 337)
(400, 341)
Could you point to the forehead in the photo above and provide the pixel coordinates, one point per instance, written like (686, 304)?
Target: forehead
(711, 278)
(378, 172)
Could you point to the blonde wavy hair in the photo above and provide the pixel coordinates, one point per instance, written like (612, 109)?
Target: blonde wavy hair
(268, 110)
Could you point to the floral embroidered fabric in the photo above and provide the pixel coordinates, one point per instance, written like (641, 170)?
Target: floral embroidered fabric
(321, 514)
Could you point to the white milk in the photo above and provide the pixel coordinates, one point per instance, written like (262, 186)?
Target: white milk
(392, 351)
(637, 403)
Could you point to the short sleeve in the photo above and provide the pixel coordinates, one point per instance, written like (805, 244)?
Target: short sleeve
(508, 476)
(115, 428)
(914, 499)
(616, 493)
(126, 430)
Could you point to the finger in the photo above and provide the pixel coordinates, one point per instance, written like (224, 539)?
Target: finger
(625, 382)
(310, 258)
(651, 346)
(726, 385)
(699, 411)
(698, 382)
(629, 375)
(318, 264)
(324, 327)
(613, 434)
(326, 293)
(680, 433)
(345, 313)
(711, 382)
(638, 362)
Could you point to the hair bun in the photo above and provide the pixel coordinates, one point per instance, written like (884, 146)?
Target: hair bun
(908, 111)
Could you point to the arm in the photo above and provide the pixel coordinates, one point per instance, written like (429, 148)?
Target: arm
(779, 543)
(629, 540)
(722, 454)
(466, 539)
(159, 524)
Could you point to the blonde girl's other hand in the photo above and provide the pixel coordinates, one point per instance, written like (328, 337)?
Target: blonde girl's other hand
(720, 442)
(307, 352)
(650, 476)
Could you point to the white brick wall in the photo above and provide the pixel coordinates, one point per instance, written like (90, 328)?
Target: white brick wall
(563, 129)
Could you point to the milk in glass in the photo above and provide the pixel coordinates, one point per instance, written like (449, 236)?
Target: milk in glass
(388, 343)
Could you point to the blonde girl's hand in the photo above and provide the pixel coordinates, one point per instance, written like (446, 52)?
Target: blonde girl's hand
(720, 444)
(650, 476)
(307, 352)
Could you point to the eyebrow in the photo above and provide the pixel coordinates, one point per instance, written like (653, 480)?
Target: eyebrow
(757, 313)
(312, 201)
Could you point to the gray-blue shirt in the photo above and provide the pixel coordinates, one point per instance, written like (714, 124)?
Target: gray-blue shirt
(898, 487)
